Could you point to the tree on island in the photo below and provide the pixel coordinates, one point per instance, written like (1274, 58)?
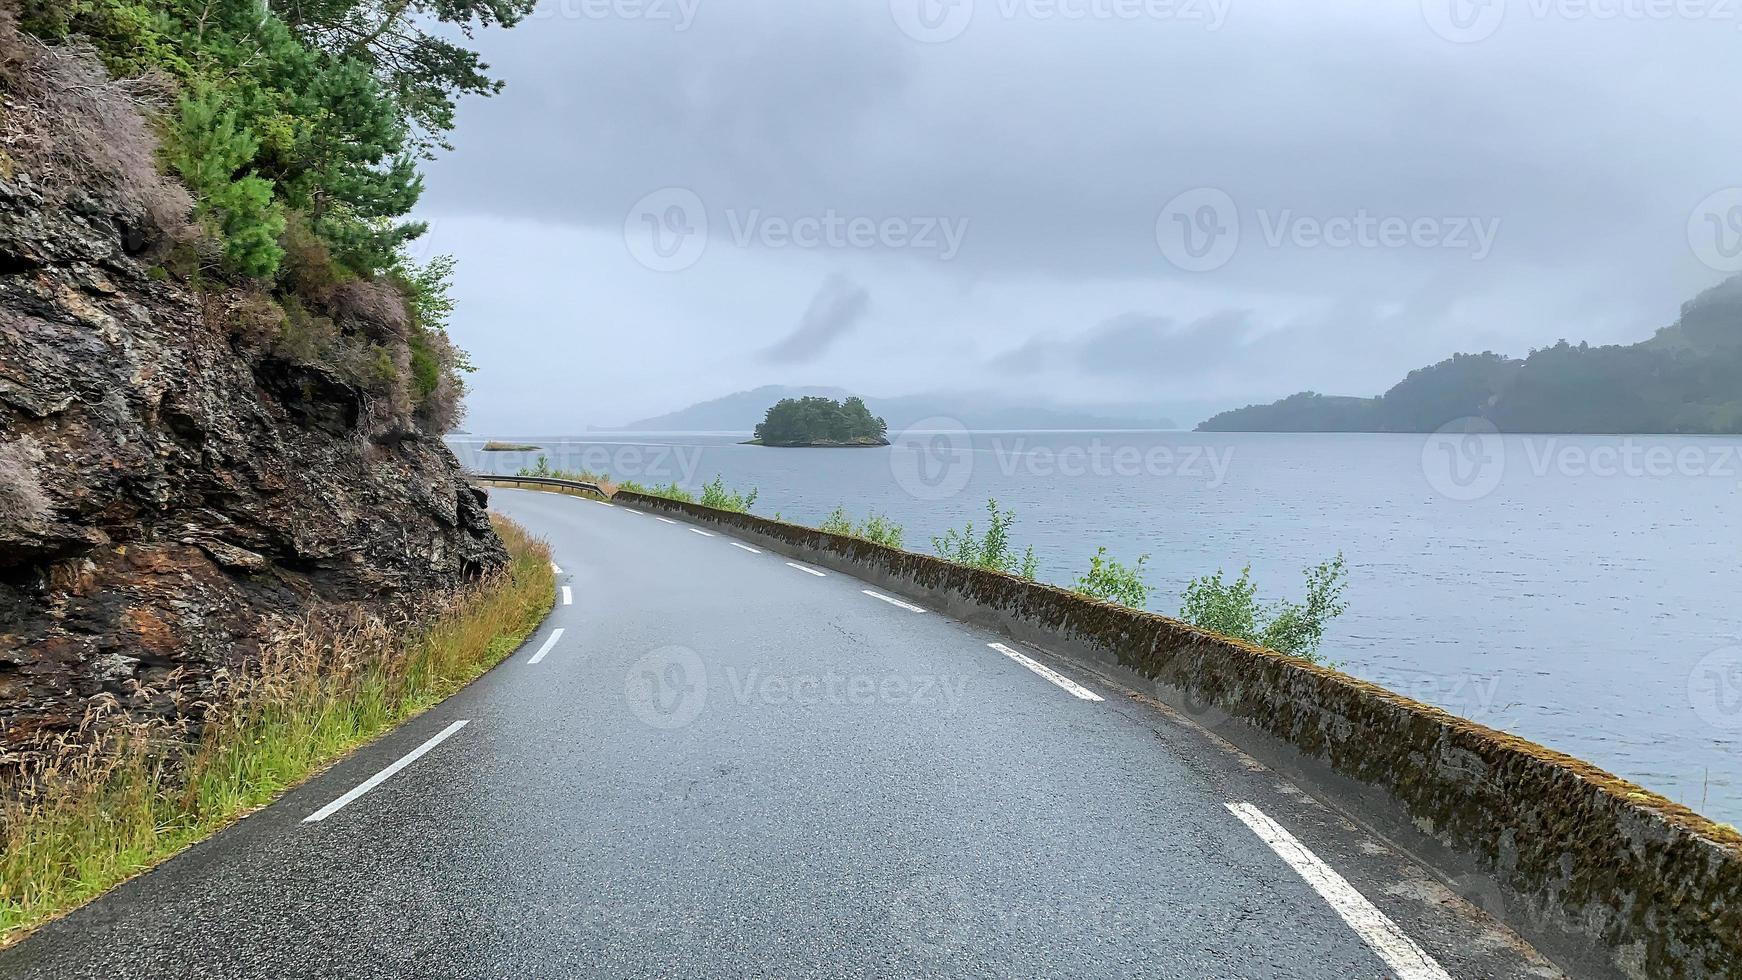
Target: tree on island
(814, 421)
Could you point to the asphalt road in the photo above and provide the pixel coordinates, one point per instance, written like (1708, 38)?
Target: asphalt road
(726, 765)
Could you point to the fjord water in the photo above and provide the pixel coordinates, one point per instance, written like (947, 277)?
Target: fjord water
(1580, 591)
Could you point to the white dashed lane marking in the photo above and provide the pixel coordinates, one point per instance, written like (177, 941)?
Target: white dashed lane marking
(665, 520)
(547, 645)
(746, 548)
(568, 596)
(1377, 930)
(384, 775)
(705, 534)
(892, 600)
(1048, 673)
(807, 571)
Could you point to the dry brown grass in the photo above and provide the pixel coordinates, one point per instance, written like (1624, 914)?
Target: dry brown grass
(110, 801)
(378, 307)
(72, 127)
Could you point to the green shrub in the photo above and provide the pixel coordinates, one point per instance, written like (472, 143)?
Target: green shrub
(1233, 609)
(991, 550)
(1112, 581)
(209, 150)
(716, 495)
(876, 528)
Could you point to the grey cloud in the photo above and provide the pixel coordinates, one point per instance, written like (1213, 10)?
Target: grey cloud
(1060, 142)
(836, 308)
(1137, 344)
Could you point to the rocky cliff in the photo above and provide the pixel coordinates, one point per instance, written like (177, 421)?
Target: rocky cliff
(176, 484)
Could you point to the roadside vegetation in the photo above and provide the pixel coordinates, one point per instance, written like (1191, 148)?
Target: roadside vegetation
(1111, 581)
(96, 811)
(1233, 609)
(875, 528)
(990, 549)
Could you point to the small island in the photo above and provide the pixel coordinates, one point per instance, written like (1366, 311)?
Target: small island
(820, 422)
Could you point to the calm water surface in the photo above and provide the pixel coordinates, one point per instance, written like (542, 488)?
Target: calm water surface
(1579, 591)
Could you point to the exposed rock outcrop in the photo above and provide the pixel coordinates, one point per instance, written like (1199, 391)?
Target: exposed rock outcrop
(172, 490)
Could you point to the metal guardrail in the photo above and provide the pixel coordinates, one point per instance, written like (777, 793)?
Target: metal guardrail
(543, 481)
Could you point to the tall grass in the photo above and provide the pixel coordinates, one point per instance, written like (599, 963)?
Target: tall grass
(115, 799)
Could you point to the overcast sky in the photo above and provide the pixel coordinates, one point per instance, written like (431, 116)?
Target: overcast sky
(1092, 200)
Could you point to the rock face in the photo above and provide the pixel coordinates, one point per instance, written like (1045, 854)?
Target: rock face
(171, 494)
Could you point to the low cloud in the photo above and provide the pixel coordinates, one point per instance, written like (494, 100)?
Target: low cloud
(834, 311)
(1137, 345)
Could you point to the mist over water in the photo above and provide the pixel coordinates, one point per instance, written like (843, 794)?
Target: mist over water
(1575, 590)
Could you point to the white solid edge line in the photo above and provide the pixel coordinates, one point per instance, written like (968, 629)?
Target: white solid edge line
(665, 520)
(1377, 930)
(808, 571)
(568, 596)
(705, 534)
(892, 600)
(1048, 673)
(385, 774)
(746, 547)
(547, 645)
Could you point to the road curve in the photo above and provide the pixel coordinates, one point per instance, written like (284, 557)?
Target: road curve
(727, 764)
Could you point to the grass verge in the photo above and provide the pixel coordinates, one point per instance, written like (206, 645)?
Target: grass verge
(99, 810)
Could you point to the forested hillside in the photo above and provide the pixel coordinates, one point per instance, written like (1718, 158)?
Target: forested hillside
(1686, 379)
